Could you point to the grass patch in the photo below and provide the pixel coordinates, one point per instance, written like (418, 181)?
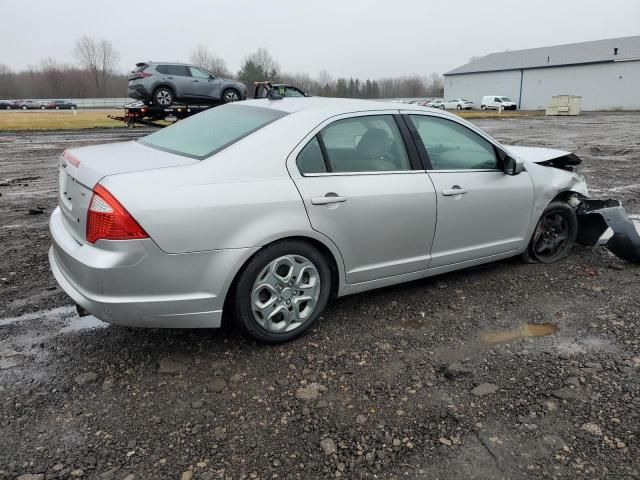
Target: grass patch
(496, 114)
(58, 119)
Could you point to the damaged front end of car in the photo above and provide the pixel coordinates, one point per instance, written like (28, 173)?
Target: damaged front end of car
(602, 223)
(606, 223)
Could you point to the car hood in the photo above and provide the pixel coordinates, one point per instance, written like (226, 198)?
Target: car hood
(535, 154)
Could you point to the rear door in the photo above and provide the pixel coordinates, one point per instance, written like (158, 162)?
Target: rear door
(179, 78)
(363, 188)
(481, 211)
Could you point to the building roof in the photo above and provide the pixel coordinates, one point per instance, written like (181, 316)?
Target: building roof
(598, 51)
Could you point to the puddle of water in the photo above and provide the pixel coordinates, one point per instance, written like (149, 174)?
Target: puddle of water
(527, 330)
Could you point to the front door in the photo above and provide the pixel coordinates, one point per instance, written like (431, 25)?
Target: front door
(481, 211)
(203, 86)
(360, 190)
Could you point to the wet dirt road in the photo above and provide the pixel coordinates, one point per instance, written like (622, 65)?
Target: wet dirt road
(446, 378)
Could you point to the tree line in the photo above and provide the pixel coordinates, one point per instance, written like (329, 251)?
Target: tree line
(95, 74)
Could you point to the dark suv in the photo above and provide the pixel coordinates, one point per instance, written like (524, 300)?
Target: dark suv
(165, 83)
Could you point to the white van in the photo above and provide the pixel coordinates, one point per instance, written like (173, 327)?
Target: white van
(496, 101)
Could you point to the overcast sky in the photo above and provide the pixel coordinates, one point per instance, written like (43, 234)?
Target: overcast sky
(345, 37)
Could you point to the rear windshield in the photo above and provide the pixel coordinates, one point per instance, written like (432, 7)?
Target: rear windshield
(211, 131)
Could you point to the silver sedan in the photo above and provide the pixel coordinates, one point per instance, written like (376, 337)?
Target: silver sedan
(265, 209)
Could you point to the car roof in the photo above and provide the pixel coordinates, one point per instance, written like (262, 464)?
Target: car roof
(335, 106)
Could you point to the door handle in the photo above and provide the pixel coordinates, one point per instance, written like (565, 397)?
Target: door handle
(327, 200)
(453, 191)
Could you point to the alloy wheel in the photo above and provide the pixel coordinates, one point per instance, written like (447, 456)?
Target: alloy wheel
(231, 96)
(285, 293)
(163, 97)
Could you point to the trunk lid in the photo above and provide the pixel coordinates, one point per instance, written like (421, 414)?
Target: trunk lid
(82, 168)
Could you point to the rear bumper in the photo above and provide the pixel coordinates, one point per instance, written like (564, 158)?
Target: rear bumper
(134, 283)
(137, 92)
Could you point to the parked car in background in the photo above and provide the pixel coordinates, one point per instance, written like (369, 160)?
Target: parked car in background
(494, 102)
(265, 89)
(28, 104)
(458, 104)
(436, 104)
(165, 83)
(61, 105)
(5, 104)
(268, 208)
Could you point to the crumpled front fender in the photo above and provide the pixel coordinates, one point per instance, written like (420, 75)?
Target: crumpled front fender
(606, 223)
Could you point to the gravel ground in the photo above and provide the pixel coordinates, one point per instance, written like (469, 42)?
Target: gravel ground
(437, 379)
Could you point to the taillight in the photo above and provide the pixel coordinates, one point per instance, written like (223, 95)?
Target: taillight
(107, 219)
(142, 74)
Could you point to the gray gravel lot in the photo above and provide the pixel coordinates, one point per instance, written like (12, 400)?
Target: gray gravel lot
(403, 382)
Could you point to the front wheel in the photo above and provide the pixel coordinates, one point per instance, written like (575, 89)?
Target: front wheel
(554, 235)
(459, 107)
(42, 107)
(230, 95)
(24, 107)
(483, 107)
(282, 291)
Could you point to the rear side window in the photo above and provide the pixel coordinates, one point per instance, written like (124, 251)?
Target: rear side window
(164, 69)
(452, 146)
(310, 159)
(211, 131)
(180, 70)
(365, 144)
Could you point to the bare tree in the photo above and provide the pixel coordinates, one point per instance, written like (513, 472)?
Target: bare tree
(108, 58)
(202, 57)
(263, 59)
(87, 53)
(97, 56)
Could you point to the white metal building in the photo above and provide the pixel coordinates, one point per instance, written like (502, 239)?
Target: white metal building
(605, 73)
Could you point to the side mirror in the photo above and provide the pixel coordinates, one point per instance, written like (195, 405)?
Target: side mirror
(512, 166)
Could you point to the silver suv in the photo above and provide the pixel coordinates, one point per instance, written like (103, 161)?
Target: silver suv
(166, 83)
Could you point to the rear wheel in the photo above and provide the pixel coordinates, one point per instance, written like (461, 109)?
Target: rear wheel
(282, 291)
(230, 95)
(57, 107)
(163, 96)
(483, 107)
(42, 107)
(554, 235)
(24, 107)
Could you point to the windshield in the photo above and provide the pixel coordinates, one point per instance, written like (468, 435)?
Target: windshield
(211, 131)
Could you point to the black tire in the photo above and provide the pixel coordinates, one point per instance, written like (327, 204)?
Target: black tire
(231, 95)
(554, 235)
(483, 107)
(163, 97)
(242, 303)
(459, 107)
(42, 107)
(442, 107)
(24, 107)
(57, 107)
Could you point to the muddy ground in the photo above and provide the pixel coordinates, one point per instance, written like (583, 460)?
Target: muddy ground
(403, 382)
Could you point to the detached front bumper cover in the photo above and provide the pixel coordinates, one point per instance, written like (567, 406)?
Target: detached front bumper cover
(606, 223)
